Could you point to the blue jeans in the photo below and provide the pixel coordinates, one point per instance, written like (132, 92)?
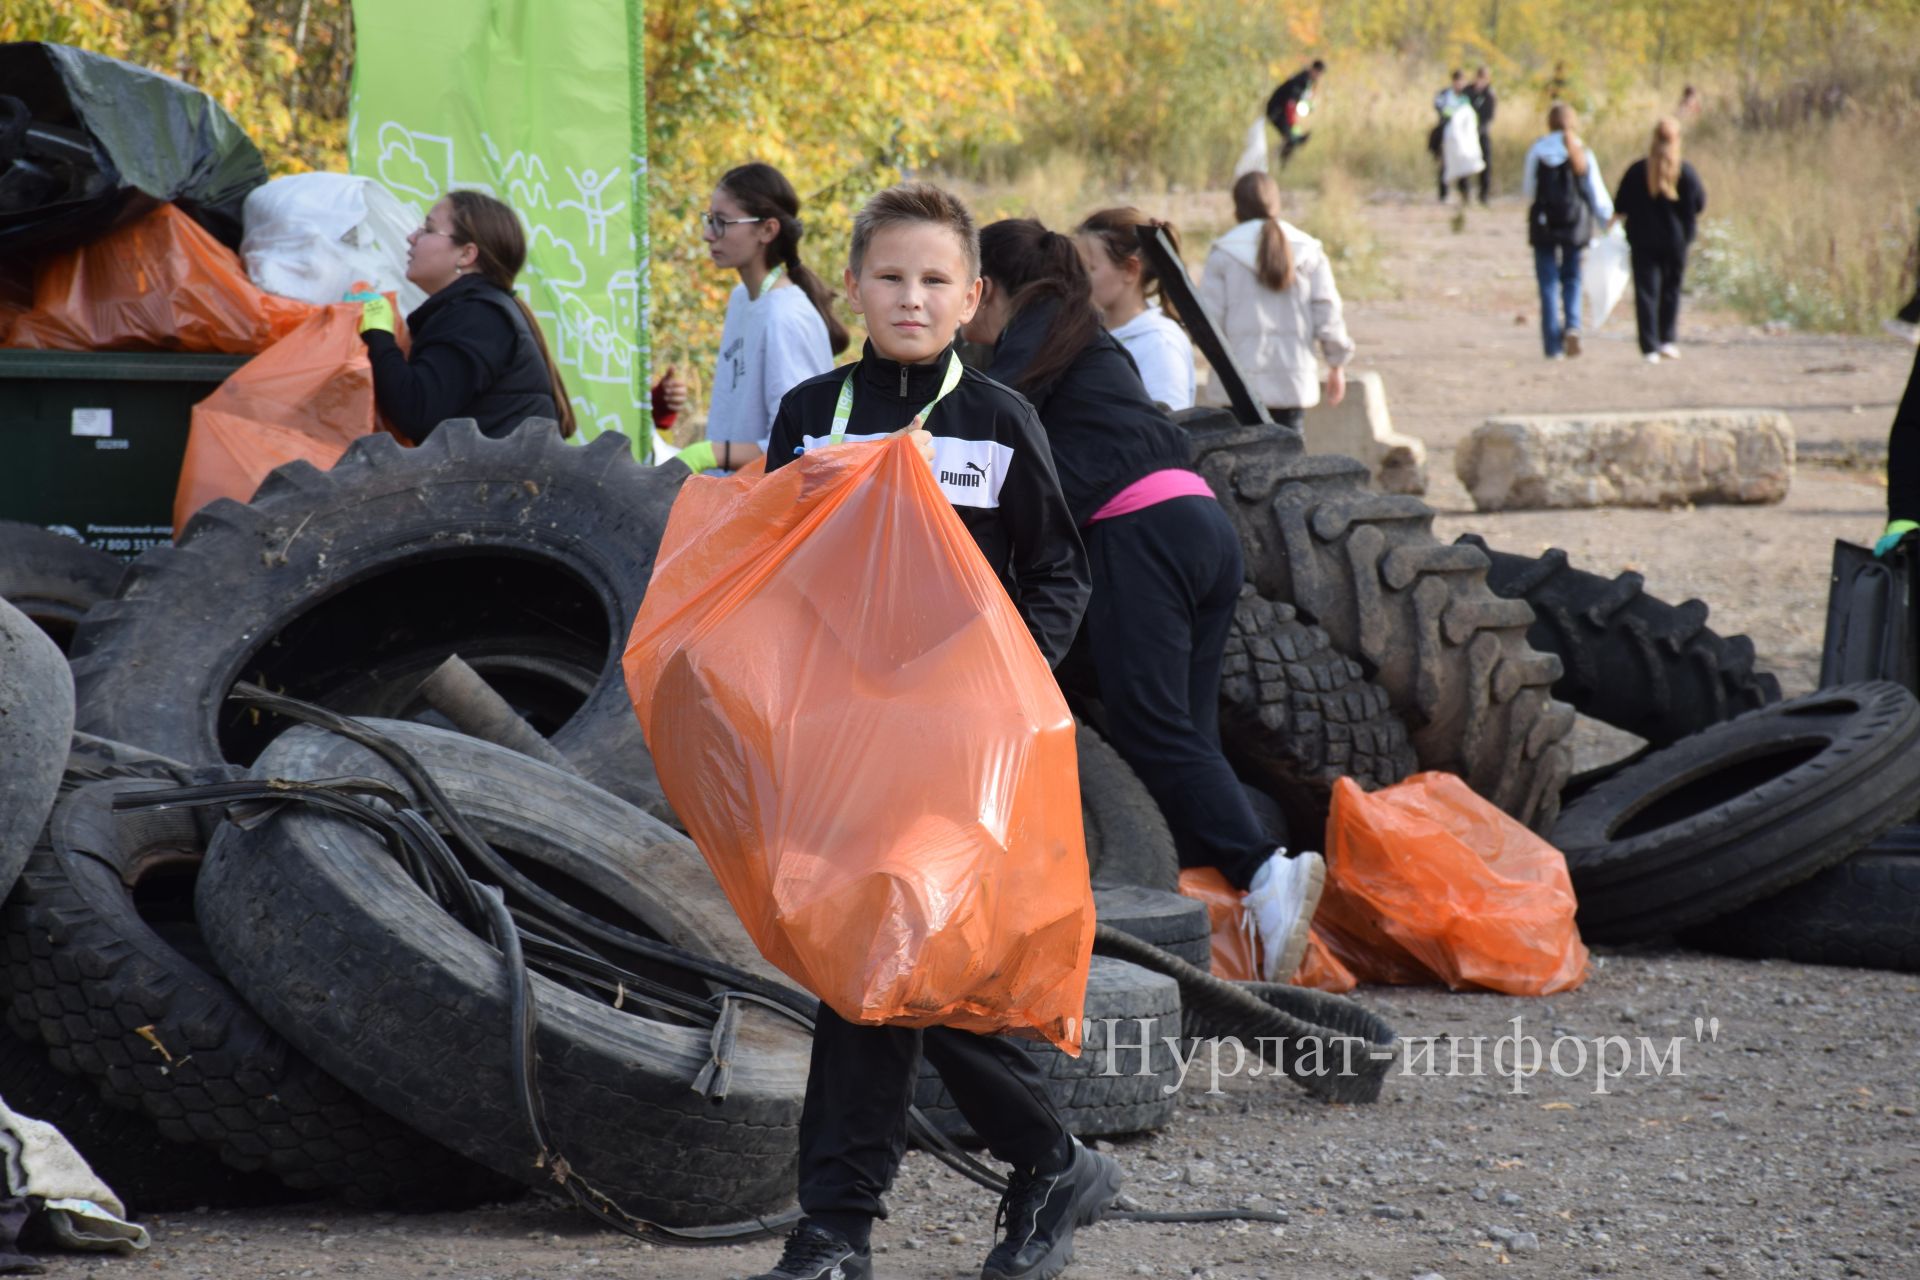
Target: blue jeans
(1558, 270)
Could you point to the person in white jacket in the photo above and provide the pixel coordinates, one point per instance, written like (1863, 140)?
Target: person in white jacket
(1132, 305)
(1269, 288)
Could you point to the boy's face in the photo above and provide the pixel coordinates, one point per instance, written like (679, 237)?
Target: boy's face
(914, 289)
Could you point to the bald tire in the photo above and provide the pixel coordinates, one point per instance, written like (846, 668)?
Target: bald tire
(1453, 656)
(1128, 841)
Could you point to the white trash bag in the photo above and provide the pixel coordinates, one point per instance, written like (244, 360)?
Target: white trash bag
(1253, 153)
(1460, 147)
(1606, 273)
(312, 236)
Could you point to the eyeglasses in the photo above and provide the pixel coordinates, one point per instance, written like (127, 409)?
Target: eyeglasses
(713, 226)
(426, 229)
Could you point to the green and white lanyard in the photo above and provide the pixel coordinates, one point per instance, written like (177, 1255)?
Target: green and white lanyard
(844, 408)
(768, 280)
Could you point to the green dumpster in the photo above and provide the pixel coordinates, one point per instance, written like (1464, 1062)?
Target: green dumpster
(91, 441)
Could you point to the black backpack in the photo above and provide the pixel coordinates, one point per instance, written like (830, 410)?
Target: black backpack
(1562, 213)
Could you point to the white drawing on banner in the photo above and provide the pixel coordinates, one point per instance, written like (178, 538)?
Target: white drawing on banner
(523, 174)
(623, 290)
(592, 186)
(542, 266)
(402, 168)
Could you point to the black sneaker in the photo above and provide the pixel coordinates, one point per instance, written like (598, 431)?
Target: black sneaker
(815, 1253)
(1039, 1213)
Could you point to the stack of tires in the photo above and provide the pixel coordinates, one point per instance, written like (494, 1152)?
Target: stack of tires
(197, 1002)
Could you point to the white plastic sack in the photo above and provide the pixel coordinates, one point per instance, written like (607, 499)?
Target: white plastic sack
(1253, 155)
(312, 236)
(1460, 146)
(1605, 275)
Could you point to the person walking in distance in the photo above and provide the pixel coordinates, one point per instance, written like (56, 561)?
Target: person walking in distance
(1566, 200)
(1269, 288)
(1483, 100)
(1290, 107)
(1451, 99)
(1660, 199)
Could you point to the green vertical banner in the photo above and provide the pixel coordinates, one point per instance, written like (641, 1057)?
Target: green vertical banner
(541, 103)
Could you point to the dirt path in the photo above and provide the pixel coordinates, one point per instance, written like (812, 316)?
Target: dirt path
(1786, 1147)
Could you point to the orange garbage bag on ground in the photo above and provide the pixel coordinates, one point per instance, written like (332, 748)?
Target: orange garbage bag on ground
(158, 283)
(1235, 952)
(305, 398)
(855, 725)
(1428, 881)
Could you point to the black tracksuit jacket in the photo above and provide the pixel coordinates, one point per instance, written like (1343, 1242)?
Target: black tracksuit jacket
(993, 464)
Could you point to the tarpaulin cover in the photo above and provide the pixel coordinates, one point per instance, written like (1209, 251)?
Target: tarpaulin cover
(305, 398)
(855, 725)
(1236, 954)
(1427, 881)
(159, 283)
(107, 141)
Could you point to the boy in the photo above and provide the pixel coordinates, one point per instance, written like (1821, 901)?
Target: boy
(914, 273)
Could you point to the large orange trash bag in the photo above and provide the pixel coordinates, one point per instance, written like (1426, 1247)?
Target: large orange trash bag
(305, 398)
(855, 725)
(1236, 955)
(1427, 881)
(158, 283)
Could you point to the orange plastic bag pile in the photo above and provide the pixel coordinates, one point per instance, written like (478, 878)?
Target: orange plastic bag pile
(852, 720)
(158, 283)
(305, 398)
(1428, 881)
(1236, 955)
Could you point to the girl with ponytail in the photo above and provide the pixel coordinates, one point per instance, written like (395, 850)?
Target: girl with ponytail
(1269, 288)
(780, 328)
(1165, 563)
(1131, 303)
(477, 351)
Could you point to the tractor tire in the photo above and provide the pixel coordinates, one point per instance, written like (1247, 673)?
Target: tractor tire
(1453, 657)
(54, 579)
(525, 555)
(1630, 660)
(1128, 842)
(1741, 811)
(1097, 1097)
(1864, 913)
(1297, 715)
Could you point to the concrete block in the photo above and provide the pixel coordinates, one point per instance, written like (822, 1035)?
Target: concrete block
(1360, 427)
(1659, 458)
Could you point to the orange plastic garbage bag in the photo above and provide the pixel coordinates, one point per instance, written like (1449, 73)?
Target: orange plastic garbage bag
(306, 398)
(158, 283)
(855, 725)
(1236, 954)
(1427, 881)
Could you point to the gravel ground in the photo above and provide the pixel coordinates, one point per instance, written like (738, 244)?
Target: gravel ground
(1779, 1139)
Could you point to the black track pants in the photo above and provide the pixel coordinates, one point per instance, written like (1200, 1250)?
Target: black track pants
(853, 1125)
(1164, 583)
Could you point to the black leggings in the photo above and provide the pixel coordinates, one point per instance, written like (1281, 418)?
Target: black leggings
(1165, 579)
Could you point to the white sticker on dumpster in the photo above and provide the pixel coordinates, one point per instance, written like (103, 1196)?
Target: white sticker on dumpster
(93, 422)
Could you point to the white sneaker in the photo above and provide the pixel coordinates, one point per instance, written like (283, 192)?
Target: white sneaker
(1652, 357)
(1669, 352)
(1281, 902)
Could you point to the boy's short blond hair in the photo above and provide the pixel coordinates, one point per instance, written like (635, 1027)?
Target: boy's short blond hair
(915, 202)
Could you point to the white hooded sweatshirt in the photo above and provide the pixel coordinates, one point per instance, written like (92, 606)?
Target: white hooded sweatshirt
(1272, 332)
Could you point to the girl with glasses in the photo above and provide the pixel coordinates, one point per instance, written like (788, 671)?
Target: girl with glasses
(780, 327)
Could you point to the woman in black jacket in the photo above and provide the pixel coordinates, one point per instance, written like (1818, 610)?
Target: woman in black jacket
(476, 351)
(1165, 562)
(1660, 199)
